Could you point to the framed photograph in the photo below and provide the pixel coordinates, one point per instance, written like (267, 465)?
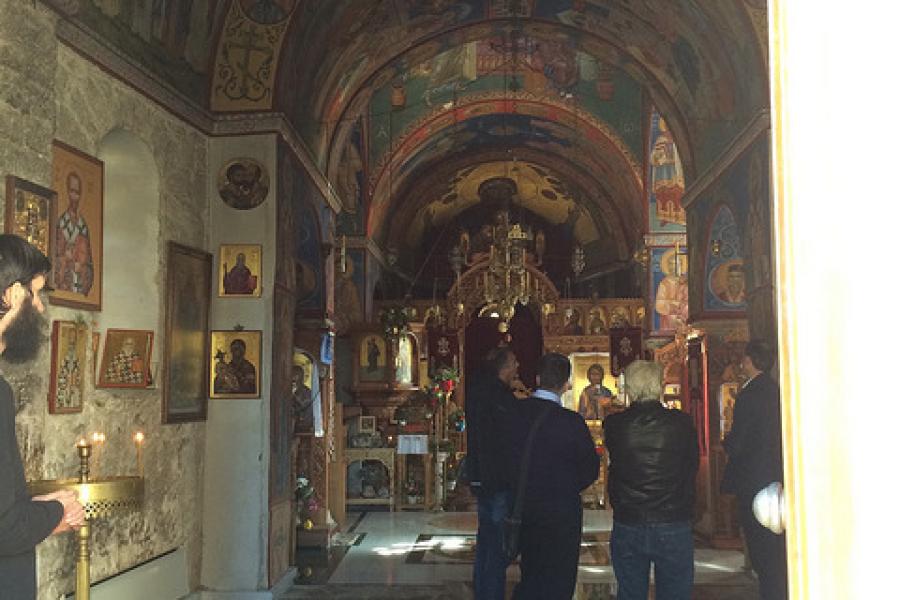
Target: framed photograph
(77, 223)
(240, 270)
(186, 341)
(68, 359)
(126, 359)
(29, 213)
(234, 367)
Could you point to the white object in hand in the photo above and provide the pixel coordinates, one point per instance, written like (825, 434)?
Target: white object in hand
(768, 507)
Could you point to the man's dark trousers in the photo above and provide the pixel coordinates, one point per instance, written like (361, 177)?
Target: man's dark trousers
(489, 575)
(767, 553)
(668, 546)
(551, 544)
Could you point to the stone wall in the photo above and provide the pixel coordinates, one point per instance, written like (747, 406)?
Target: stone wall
(47, 92)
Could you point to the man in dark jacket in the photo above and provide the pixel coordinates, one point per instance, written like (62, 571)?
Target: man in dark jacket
(24, 521)
(754, 461)
(489, 399)
(653, 463)
(563, 462)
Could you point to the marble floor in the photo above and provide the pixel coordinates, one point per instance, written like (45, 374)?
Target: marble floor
(407, 555)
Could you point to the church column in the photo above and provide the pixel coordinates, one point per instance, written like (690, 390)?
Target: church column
(238, 524)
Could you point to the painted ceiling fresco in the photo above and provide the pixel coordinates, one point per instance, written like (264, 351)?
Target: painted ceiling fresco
(396, 98)
(602, 175)
(540, 191)
(700, 60)
(173, 40)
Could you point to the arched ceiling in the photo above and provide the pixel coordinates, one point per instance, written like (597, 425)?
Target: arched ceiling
(403, 102)
(699, 60)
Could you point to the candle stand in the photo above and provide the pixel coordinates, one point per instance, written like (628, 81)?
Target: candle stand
(101, 498)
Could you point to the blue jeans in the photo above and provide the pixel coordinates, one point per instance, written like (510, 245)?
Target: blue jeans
(669, 546)
(489, 574)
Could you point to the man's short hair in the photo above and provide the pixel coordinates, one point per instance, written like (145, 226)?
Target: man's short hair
(596, 367)
(20, 262)
(761, 354)
(554, 370)
(643, 380)
(497, 358)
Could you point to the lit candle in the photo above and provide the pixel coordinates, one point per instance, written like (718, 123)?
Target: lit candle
(81, 443)
(97, 438)
(139, 444)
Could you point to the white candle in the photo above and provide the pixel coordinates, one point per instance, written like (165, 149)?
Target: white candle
(139, 444)
(98, 438)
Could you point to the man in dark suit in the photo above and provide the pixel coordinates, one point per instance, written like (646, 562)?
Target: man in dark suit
(564, 461)
(489, 400)
(754, 461)
(24, 521)
(653, 464)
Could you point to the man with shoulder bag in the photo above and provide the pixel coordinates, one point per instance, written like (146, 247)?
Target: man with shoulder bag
(555, 463)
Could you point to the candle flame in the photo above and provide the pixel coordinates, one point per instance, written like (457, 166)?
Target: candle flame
(81, 442)
(139, 437)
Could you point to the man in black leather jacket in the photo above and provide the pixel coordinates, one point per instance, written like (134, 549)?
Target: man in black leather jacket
(653, 463)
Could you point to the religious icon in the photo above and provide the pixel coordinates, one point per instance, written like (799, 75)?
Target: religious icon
(240, 270)
(572, 325)
(597, 324)
(243, 183)
(619, 317)
(727, 397)
(186, 343)
(29, 213)
(235, 364)
(78, 248)
(301, 391)
(126, 359)
(404, 360)
(68, 356)
(372, 359)
(671, 301)
(595, 398)
(728, 284)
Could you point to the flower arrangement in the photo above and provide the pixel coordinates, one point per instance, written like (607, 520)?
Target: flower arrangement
(307, 503)
(443, 382)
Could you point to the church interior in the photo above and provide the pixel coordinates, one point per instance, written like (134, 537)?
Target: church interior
(364, 197)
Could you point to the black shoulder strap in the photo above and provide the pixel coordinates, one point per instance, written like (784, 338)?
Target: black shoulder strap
(526, 460)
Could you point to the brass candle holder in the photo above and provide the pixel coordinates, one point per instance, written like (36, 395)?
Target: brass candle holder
(101, 497)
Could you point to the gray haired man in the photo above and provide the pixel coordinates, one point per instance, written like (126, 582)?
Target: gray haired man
(653, 463)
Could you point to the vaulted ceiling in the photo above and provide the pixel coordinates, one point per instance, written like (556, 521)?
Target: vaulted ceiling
(403, 103)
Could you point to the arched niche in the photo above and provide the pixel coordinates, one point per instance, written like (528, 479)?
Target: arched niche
(131, 232)
(724, 287)
(305, 394)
